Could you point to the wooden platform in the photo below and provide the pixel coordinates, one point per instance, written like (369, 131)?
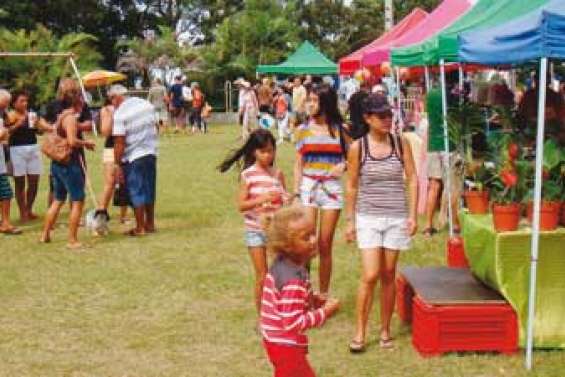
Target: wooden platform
(449, 286)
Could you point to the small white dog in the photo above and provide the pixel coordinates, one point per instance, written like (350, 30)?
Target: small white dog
(97, 222)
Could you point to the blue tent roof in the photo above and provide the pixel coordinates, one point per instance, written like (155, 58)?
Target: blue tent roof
(540, 33)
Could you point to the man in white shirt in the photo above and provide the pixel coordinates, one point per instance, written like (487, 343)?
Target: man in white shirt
(135, 152)
(299, 95)
(6, 193)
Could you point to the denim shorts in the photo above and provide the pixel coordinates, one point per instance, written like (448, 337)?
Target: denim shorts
(68, 179)
(5, 188)
(255, 238)
(141, 180)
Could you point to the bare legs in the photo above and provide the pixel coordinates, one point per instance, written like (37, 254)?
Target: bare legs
(25, 199)
(434, 189)
(144, 220)
(74, 221)
(6, 226)
(328, 222)
(377, 264)
(259, 260)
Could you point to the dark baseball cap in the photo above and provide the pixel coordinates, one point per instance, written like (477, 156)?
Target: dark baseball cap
(376, 103)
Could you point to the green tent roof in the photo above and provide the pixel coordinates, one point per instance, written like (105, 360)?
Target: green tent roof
(306, 60)
(445, 45)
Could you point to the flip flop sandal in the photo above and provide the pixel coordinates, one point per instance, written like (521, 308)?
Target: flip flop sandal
(11, 231)
(386, 343)
(429, 232)
(356, 346)
(133, 233)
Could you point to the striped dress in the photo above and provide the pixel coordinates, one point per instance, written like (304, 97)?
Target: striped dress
(286, 309)
(320, 153)
(260, 182)
(382, 191)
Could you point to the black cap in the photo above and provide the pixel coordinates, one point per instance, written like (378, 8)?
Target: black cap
(376, 103)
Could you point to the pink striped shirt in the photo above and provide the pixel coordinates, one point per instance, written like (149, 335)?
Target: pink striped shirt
(287, 305)
(260, 182)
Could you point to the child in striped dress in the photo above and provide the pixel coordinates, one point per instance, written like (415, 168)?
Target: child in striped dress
(288, 306)
(262, 192)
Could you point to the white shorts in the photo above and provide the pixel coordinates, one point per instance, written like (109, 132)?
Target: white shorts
(382, 232)
(324, 195)
(26, 160)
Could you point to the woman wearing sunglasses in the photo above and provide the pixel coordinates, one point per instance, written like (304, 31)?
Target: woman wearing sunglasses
(381, 197)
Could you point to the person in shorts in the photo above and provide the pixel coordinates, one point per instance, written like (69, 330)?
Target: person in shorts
(135, 151)
(6, 193)
(319, 165)
(22, 126)
(381, 212)
(436, 162)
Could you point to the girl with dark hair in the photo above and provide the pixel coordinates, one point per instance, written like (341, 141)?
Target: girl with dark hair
(262, 191)
(321, 145)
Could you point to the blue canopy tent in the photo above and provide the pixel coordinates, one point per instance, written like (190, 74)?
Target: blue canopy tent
(538, 35)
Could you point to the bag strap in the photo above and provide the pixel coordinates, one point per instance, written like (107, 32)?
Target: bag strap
(398, 148)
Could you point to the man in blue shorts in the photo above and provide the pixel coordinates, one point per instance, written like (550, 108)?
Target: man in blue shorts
(135, 152)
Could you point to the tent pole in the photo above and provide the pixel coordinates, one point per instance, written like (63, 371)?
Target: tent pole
(537, 205)
(83, 91)
(447, 160)
(398, 104)
(427, 77)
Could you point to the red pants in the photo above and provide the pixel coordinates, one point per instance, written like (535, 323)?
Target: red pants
(289, 361)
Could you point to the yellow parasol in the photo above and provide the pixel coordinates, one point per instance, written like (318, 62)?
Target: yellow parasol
(102, 78)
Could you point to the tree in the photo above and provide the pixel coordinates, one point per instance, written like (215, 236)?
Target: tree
(404, 7)
(263, 32)
(40, 75)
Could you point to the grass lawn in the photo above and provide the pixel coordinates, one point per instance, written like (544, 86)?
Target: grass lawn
(179, 303)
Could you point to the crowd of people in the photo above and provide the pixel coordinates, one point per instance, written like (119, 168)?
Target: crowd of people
(380, 201)
(130, 126)
(365, 166)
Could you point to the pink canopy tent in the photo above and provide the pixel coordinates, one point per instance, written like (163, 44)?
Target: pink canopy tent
(444, 15)
(352, 62)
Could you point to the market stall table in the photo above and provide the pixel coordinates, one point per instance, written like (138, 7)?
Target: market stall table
(502, 261)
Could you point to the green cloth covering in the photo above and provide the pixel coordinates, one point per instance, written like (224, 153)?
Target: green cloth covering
(445, 45)
(435, 121)
(502, 261)
(306, 60)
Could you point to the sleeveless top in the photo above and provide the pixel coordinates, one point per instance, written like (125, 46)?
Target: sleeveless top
(76, 152)
(260, 182)
(382, 191)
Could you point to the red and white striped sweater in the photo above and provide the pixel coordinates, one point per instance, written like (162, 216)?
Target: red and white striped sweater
(287, 305)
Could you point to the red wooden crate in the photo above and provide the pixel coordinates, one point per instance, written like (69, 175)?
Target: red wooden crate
(456, 253)
(454, 328)
(404, 295)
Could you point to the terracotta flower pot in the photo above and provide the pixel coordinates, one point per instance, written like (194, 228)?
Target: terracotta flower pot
(549, 214)
(477, 202)
(506, 217)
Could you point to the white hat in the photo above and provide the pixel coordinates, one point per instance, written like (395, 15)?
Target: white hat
(117, 90)
(239, 81)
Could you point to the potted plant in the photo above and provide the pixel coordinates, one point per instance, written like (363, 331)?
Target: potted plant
(508, 186)
(552, 188)
(480, 174)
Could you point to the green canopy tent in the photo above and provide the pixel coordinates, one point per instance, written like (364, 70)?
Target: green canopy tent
(444, 45)
(307, 59)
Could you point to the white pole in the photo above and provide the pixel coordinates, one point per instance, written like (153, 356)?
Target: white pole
(537, 205)
(427, 76)
(399, 123)
(83, 91)
(389, 14)
(461, 84)
(446, 141)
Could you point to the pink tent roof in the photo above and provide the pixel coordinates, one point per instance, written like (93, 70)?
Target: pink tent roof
(444, 15)
(352, 62)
